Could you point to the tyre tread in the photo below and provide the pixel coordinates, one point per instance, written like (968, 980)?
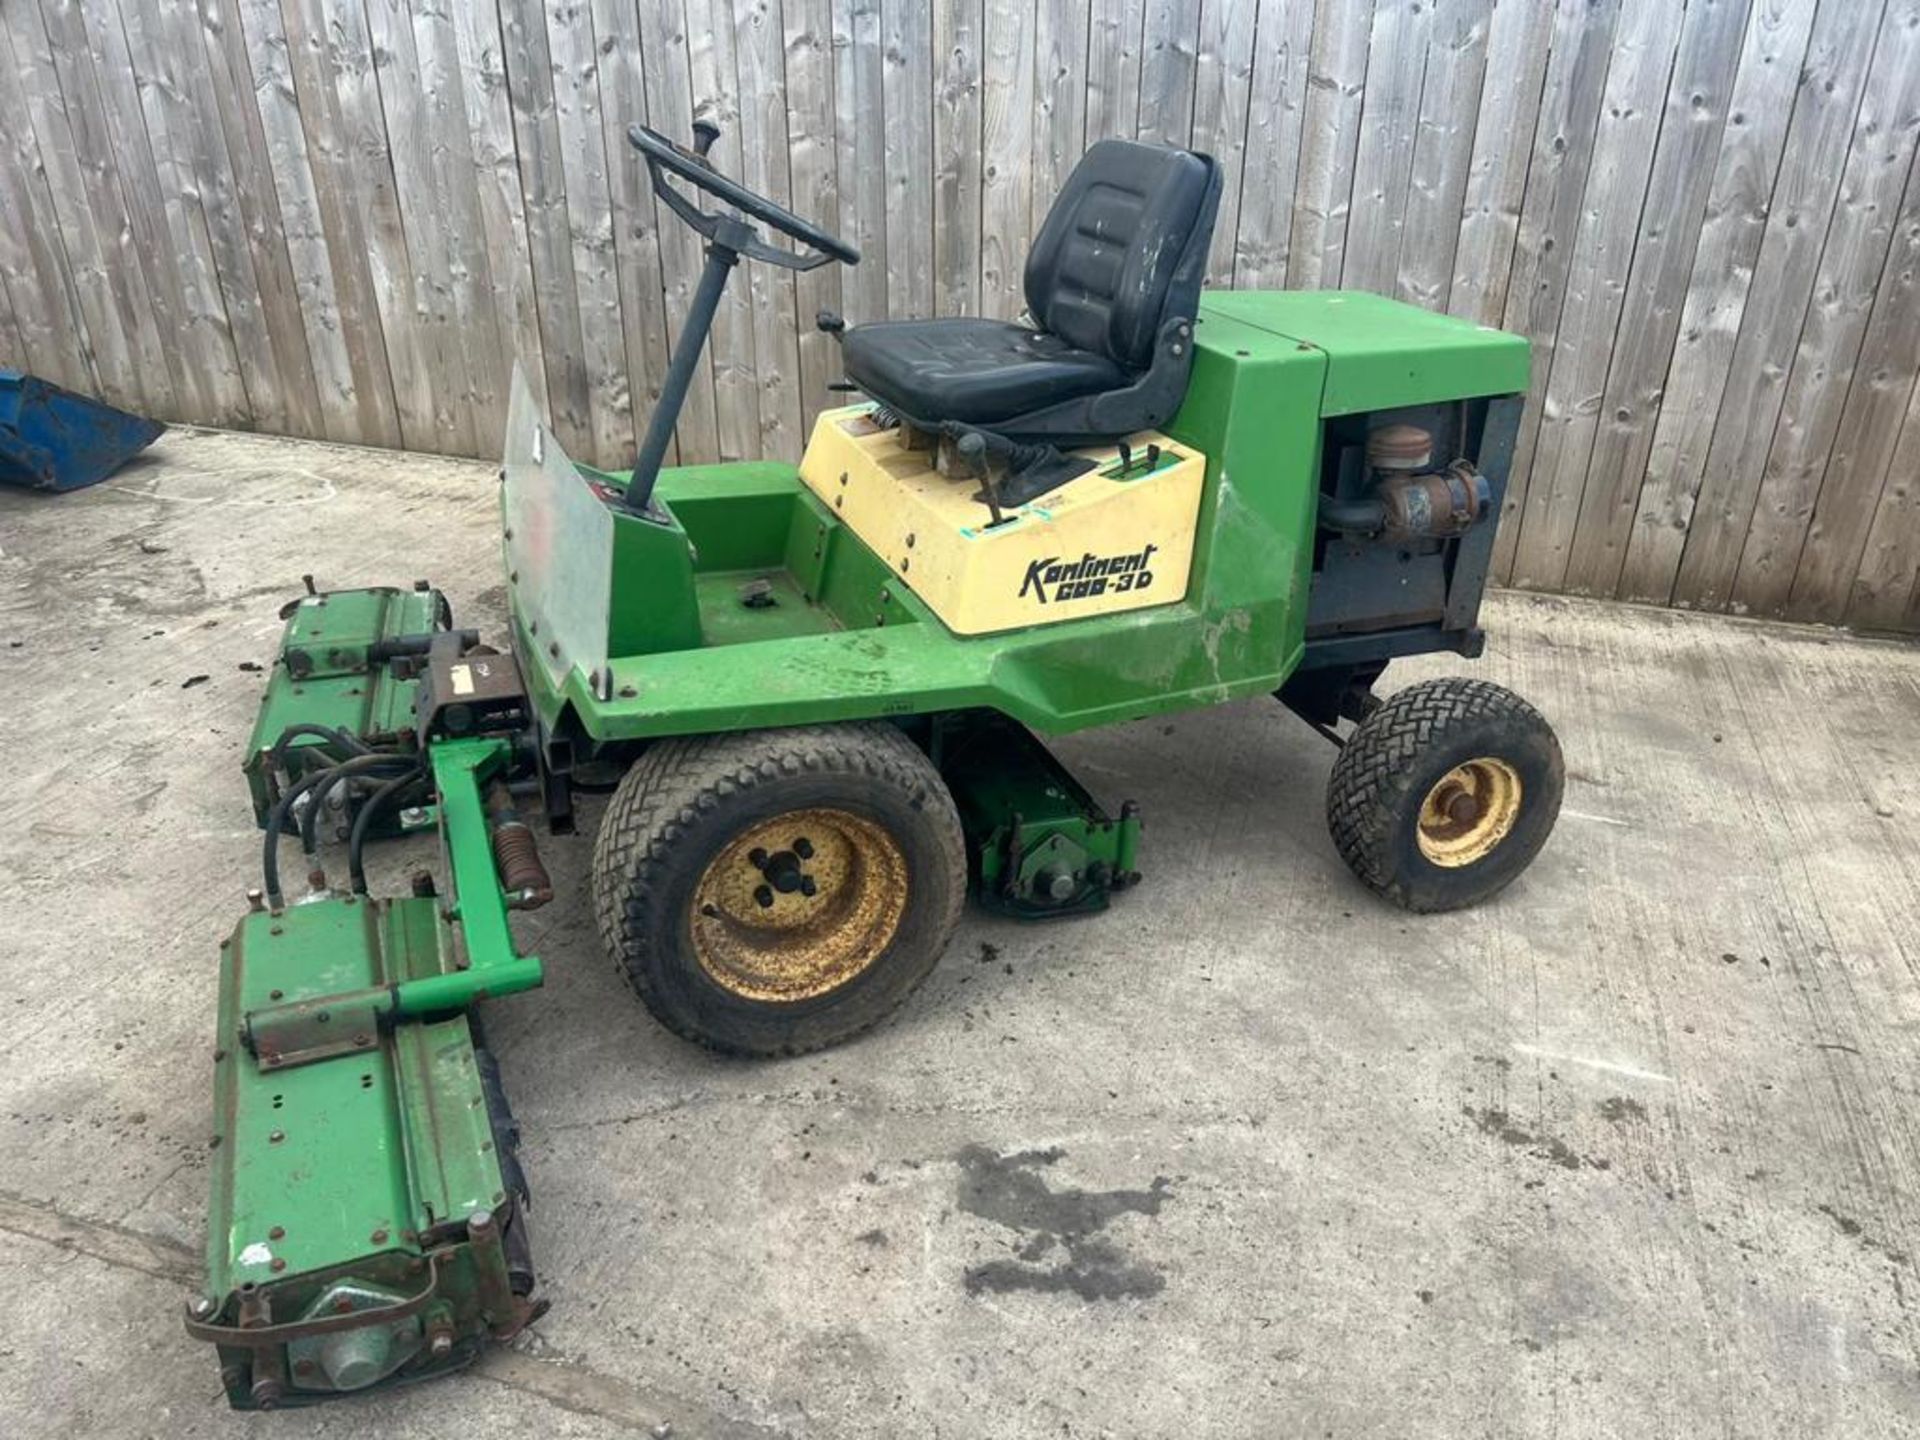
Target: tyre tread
(1370, 778)
(677, 781)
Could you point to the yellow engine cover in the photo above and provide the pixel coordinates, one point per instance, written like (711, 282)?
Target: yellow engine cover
(1097, 545)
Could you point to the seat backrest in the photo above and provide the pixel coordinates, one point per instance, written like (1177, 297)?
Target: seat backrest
(1124, 248)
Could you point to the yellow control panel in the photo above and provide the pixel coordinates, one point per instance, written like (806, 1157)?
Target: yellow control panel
(1115, 538)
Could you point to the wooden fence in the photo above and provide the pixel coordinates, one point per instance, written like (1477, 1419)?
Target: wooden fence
(343, 218)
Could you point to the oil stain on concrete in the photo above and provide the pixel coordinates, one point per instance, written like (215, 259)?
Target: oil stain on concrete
(1500, 1125)
(1063, 1251)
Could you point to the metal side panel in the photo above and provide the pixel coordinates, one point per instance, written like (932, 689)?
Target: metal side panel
(559, 541)
(309, 1160)
(1119, 537)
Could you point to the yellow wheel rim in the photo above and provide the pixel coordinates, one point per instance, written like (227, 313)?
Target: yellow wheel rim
(799, 905)
(1468, 812)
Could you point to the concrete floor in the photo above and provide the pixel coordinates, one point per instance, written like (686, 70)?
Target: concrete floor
(1630, 1152)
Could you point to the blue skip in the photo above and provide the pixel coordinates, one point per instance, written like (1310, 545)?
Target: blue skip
(53, 439)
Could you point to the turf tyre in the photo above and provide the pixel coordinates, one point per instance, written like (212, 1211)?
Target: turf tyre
(1398, 755)
(682, 803)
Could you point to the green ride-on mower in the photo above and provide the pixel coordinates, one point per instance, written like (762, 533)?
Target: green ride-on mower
(824, 692)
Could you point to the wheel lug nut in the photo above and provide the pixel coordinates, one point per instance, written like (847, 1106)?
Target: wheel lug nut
(763, 895)
(803, 847)
(757, 858)
(806, 885)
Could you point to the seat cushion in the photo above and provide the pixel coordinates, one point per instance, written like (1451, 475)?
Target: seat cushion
(981, 372)
(1123, 248)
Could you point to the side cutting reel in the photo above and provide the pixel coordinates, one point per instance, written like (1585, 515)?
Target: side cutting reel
(368, 1217)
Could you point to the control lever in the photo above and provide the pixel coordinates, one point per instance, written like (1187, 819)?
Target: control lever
(971, 448)
(705, 132)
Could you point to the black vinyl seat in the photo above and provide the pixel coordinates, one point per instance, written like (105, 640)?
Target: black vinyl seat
(1112, 284)
(977, 371)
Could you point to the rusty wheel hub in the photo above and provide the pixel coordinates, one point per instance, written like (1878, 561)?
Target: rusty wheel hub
(799, 905)
(1468, 812)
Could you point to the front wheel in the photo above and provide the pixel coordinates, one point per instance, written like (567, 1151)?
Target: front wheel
(1445, 793)
(779, 891)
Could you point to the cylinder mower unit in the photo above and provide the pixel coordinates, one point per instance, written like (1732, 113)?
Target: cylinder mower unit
(821, 697)
(368, 1217)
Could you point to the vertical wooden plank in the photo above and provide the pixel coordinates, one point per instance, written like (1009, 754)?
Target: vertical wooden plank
(763, 139)
(1852, 494)
(575, 60)
(1804, 194)
(47, 315)
(92, 305)
(478, 316)
(1383, 156)
(670, 108)
(1060, 97)
(325, 244)
(1885, 592)
(716, 91)
(420, 213)
(1113, 68)
(502, 221)
(635, 224)
(1007, 168)
(1517, 45)
(352, 160)
(255, 211)
(1270, 161)
(543, 183)
(1223, 91)
(957, 35)
(169, 232)
(859, 118)
(816, 187)
(13, 349)
(1169, 47)
(1549, 221)
(1336, 85)
(179, 97)
(1758, 120)
(1852, 264)
(1603, 250)
(1697, 104)
(906, 45)
(1443, 150)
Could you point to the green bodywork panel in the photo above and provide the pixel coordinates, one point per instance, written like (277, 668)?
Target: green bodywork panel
(1381, 354)
(321, 675)
(846, 639)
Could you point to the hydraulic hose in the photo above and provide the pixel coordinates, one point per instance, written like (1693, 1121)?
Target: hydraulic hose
(337, 736)
(277, 821)
(363, 822)
(317, 800)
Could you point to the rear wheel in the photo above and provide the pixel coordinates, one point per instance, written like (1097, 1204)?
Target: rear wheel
(1445, 793)
(779, 891)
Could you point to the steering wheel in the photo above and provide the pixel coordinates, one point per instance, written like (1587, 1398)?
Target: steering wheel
(665, 158)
